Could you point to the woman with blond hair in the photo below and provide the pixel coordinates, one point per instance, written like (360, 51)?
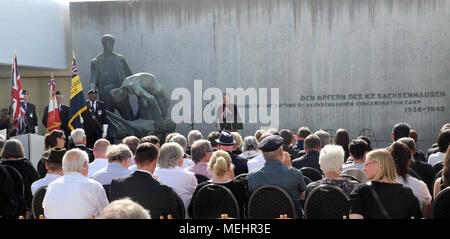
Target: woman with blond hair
(382, 197)
(222, 174)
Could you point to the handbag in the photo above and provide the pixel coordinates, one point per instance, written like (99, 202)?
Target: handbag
(377, 199)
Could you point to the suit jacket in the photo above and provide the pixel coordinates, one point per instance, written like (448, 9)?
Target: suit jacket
(63, 116)
(239, 163)
(88, 151)
(93, 120)
(142, 188)
(31, 119)
(310, 159)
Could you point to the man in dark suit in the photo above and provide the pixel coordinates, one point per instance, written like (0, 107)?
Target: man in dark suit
(30, 114)
(226, 142)
(311, 158)
(229, 116)
(93, 118)
(142, 187)
(79, 139)
(63, 114)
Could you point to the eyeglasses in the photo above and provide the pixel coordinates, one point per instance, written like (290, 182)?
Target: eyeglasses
(368, 163)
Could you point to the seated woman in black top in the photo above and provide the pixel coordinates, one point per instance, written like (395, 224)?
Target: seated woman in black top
(398, 201)
(222, 173)
(54, 139)
(14, 154)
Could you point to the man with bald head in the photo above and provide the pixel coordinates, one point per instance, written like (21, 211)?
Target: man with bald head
(108, 71)
(65, 200)
(100, 160)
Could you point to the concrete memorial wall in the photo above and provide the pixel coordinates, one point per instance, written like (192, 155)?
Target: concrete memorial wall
(362, 65)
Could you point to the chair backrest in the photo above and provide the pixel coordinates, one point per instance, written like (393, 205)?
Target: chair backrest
(182, 210)
(438, 175)
(311, 173)
(269, 202)
(241, 176)
(17, 179)
(358, 174)
(327, 202)
(350, 177)
(107, 188)
(441, 205)
(213, 200)
(36, 203)
(201, 178)
(307, 180)
(437, 167)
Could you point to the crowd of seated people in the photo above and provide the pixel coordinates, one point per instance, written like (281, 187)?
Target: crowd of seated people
(151, 177)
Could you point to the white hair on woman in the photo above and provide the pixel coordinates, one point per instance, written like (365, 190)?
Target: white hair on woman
(331, 159)
(170, 155)
(74, 161)
(78, 135)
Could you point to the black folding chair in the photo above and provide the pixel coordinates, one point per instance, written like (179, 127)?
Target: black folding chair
(438, 175)
(327, 202)
(181, 208)
(350, 177)
(17, 179)
(36, 203)
(311, 173)
(213, 200)
(201, 178)
(441, 205)
(438, 167)
(269, 202)
(241, 176)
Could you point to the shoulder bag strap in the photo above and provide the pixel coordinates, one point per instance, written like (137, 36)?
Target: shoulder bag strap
(377, 199)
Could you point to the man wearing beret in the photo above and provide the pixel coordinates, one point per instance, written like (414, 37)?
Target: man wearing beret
(93, 119)
(277, 171)
(226, 142)
(53, 164)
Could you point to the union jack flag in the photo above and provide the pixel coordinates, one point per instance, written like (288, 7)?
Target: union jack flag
(17, 100)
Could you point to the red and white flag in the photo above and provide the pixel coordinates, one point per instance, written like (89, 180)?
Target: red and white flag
(17, 100)
(53, 120)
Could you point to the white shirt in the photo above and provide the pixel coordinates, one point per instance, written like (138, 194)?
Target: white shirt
(133, 168)
(49, 177)
(96, 165)
(187, 162)
(74, 196)
(181, 181)
(436, 158)
(359, 166)
(111, 171)
(419, 188)
(256, 163)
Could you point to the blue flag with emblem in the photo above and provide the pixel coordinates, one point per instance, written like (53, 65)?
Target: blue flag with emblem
(77, 103)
